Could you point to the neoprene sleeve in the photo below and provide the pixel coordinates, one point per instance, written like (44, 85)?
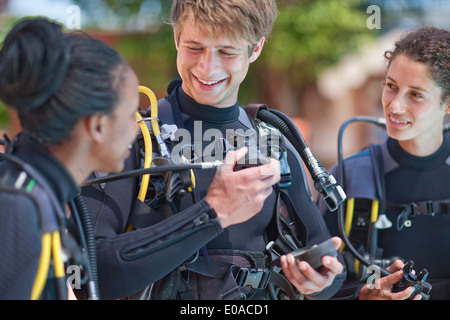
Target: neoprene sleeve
(129, 262)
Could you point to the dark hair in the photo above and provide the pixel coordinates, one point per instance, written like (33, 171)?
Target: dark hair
(53, 79)
(431, 46)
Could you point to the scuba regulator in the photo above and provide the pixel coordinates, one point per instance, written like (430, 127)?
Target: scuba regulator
(324, 183)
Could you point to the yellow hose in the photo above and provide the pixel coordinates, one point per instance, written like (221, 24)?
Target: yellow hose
(44, 264)
(154, 108)
(147, 159)
(148, 148)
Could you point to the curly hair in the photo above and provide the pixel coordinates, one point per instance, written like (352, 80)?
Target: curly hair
(428, 45)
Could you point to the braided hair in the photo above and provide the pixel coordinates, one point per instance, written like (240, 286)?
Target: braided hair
(53, 79)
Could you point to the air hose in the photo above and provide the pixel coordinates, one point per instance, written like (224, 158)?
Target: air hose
(88, 231)
(147, 158)
(157, 169)
(344, 227)
(323, 182)
(154, 120)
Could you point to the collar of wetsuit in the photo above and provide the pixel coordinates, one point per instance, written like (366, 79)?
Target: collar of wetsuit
(205, 112)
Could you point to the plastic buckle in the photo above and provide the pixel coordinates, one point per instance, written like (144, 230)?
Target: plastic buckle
(425, 208)
(256, 278)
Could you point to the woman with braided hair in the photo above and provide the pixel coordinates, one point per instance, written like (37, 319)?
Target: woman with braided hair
(76, 100)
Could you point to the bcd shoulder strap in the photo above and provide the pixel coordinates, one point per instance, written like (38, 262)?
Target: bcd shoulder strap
(382, 163)
(30, 181)
(53, 227)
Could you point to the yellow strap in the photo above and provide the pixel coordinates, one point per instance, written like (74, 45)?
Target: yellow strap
(349, 221)
(57, 257)
(147, 159)
(374, 211)
(348, 218)
(349, 215)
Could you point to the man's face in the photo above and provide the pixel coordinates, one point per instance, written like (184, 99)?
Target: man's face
(212, 69)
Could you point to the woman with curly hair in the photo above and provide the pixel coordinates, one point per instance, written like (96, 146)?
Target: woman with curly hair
(415, 165)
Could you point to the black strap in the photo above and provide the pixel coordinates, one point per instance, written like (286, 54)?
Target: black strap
(376, 156)
(246, 280)
(253, 109)
(408, 210)
(430, 207)
(52, 214)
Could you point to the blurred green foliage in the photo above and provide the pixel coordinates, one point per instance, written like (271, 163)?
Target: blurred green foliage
(311, 35)
(3, 116)
(308, 36)
(5, 24)
(152, 56)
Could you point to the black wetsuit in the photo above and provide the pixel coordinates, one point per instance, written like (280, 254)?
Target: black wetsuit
(21, 224)
(144, 268)
(424, 239)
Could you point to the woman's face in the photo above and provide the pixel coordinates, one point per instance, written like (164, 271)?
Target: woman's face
(121, 126)
(412, 106)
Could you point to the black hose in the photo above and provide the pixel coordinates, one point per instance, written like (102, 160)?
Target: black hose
(280, 121)
(333, 194)
(140, 172)
(341, 178)
(88, 231)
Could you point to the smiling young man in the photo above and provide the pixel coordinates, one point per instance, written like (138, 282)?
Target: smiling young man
(216, 42)
(212, 69)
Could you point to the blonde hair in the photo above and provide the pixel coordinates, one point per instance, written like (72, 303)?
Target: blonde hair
(240, 20)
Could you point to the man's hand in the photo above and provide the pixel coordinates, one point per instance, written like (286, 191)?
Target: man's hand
(237, 196)
(308, 280)
(381, 289)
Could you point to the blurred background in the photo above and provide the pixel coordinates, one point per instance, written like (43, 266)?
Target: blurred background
(322, 65)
